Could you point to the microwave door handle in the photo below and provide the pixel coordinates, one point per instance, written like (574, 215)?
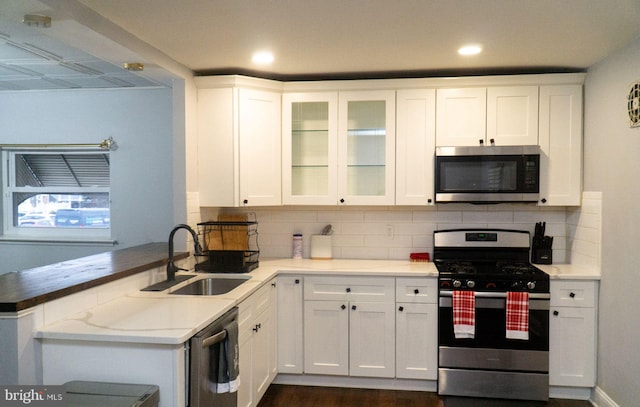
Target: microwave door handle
(212, 340)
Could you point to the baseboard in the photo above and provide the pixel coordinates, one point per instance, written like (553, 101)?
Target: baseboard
(601, 399)
(356, 382)
(571, 393)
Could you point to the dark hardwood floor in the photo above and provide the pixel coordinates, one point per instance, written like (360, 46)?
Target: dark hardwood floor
(279, 395)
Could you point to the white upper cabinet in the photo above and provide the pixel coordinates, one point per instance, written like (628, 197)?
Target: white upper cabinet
(339, 148)
(561, 145)
(239, 146)
(504, 115)
(461, 116)
(415, 146)
(260, 148)
(366, 147)
(310, 148)
(512, 115)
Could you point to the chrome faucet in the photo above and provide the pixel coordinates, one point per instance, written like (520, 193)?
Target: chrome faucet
(197, 250)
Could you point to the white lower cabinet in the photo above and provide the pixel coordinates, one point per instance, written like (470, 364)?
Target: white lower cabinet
(257, 342)
(572, 333)
(290, 346)
(326, 337)
(416, 328)
(352, 332)
(372, 339)
(350, 338)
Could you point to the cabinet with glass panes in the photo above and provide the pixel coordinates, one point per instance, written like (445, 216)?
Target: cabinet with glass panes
(309, 142)
(338, 148)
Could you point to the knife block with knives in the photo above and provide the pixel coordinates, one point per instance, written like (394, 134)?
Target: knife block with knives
(541, 245)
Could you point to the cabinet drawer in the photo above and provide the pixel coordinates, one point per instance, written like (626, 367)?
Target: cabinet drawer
(371, 289)
(573, 293)
(422, 290)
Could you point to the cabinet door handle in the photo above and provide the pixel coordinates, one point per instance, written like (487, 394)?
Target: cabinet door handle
(556, 313)
(348, 289)
(416, 291)
(341, 200)
(353, 307)
(343, 306)
(429, 200)
(572, 295)
(273, 284)
(543, 200)
(297, 281)
(245, 201)
(401, 308)
(256, 328)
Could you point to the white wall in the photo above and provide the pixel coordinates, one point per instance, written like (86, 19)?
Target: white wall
(145, 179)
(612, 165)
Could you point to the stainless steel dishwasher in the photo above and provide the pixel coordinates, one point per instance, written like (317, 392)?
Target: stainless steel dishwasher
(204, 349)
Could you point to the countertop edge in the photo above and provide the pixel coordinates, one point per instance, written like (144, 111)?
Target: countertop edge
(107, 267)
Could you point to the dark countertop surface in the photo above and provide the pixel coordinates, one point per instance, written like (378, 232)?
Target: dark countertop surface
(28, 288)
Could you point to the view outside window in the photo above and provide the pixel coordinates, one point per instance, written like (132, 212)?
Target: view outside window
(50, 192)
(64, 210)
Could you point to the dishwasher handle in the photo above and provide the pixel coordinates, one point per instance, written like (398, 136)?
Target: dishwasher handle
(215, 338)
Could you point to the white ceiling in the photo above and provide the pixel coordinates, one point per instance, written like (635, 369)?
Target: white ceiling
(334, 38)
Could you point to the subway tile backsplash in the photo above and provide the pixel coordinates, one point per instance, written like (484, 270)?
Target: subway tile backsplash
(394, 232)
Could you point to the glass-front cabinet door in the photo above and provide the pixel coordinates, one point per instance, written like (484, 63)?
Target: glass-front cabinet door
(339, 148)
(366, 148)
(310, 148)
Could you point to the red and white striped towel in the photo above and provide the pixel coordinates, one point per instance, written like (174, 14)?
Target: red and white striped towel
(518, 315)
(464, 314)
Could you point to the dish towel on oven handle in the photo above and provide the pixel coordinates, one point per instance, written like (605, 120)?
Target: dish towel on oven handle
(464, 314)
(518, 315)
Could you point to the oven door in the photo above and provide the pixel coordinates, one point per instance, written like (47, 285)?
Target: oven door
(490, 365)
(490, 322)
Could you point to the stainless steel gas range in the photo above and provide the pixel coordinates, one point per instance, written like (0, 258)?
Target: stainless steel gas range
(493, 315)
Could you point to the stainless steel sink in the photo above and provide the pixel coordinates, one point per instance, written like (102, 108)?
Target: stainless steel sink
(214, 285)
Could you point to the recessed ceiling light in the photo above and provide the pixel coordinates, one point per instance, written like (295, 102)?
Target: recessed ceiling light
(263, 58)
(471, 49)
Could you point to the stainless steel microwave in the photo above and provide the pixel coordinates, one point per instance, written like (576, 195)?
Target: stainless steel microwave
(487, 174)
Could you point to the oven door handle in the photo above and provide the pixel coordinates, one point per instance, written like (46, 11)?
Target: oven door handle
(215, 338)
(491, 300)
(490, 294)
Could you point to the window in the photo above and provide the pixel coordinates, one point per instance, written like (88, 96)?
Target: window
(56, 194)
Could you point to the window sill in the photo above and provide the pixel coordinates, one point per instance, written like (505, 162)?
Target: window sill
(57, 240)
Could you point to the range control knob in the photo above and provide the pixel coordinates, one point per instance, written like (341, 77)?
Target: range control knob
(531, 285)
(456, 283)
(471, 283)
